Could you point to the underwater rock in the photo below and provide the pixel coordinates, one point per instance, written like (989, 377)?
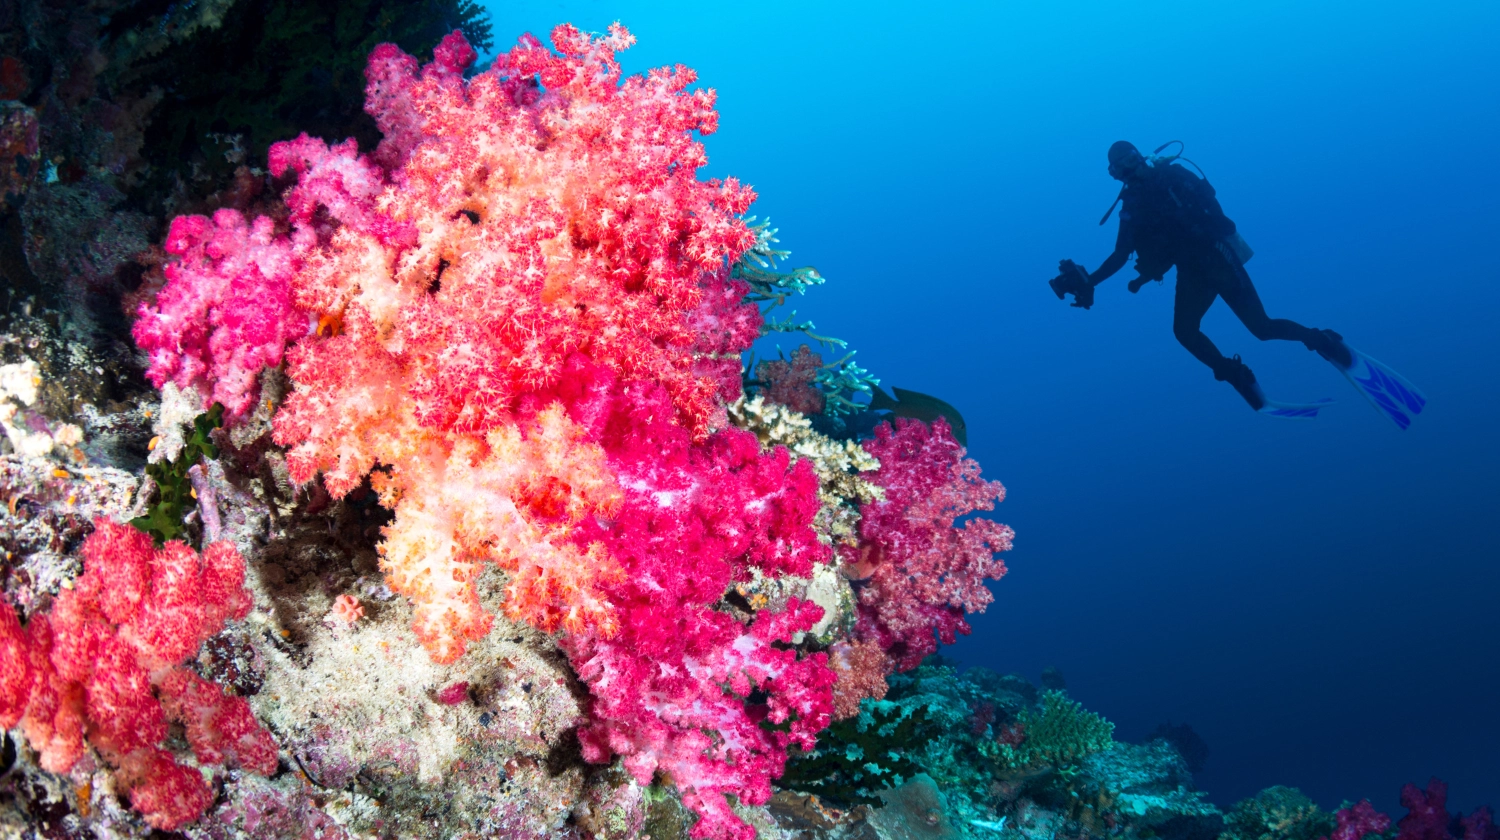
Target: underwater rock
(1152, 787)
(613, 806)
(20, 151)
(915, 811)
(1191, 746)
(80, 245)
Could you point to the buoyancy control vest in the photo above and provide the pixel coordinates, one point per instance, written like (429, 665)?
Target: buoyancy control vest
(1173, 215)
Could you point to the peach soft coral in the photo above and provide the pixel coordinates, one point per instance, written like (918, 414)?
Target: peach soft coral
(526, 333)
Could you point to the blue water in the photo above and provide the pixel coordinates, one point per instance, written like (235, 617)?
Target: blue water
(1317, 599)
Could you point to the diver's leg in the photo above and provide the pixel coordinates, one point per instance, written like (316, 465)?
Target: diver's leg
(1194, 297)
(1192, 300)
(1240, 294)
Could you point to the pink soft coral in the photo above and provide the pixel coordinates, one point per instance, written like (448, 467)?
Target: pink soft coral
(1427, 816)
(1358, 820)
(226, 311)
(105, 665)
(925, 573)
(672, 688)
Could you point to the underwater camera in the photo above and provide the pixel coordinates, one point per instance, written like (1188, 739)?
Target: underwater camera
(1073, 280)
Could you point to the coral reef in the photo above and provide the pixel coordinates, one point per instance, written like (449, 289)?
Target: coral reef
(574, 459)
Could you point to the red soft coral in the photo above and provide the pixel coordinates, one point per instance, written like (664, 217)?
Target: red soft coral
(925, 572)
(793, 382)
(861, 667)
(105, 665)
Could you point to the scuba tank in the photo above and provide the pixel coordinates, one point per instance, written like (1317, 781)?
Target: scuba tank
(1235, 243)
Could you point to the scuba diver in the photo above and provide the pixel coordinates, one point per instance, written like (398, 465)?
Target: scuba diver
(1172, 217)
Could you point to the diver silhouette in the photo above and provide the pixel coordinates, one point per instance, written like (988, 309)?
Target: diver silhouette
(1171, 216)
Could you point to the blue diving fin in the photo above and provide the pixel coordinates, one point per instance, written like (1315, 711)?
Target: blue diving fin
(1293, 411)
(1244, 382)
(1386, 389)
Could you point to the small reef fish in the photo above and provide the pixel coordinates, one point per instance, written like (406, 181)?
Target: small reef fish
(920, 406)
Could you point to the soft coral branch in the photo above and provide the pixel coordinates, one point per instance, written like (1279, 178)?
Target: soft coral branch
(502, 238)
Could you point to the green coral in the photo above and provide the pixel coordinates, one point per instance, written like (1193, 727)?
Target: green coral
(855, 758)
(1058, 735)
(174, 490)
(1277, 813)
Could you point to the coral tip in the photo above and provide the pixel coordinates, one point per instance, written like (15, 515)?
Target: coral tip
(347, 608)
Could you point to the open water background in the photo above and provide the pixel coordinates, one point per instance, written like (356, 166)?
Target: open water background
(1317, 599)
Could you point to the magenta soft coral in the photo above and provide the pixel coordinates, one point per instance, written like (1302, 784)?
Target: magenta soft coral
(105, 666)
(925, 573)
(1357, 820)
(1426, 818)
(696, 518)
(226, 311)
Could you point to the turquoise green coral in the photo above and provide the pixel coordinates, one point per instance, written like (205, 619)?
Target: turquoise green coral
(855, 758)
(840, 380)
(1061, 733)
(1277, 813)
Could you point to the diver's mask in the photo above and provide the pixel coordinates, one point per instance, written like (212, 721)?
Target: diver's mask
(1125, 160)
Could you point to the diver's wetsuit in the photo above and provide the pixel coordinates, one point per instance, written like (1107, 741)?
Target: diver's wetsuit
(1172, 217)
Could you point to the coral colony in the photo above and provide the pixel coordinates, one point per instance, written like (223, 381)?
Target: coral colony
(616, 587)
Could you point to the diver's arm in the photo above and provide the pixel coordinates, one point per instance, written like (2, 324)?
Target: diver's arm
(1124, 245)
(1114, 262)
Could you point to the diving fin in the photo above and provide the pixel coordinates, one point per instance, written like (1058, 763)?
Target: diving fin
(1234, 371)
(1386, 389)
(1294, 411)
